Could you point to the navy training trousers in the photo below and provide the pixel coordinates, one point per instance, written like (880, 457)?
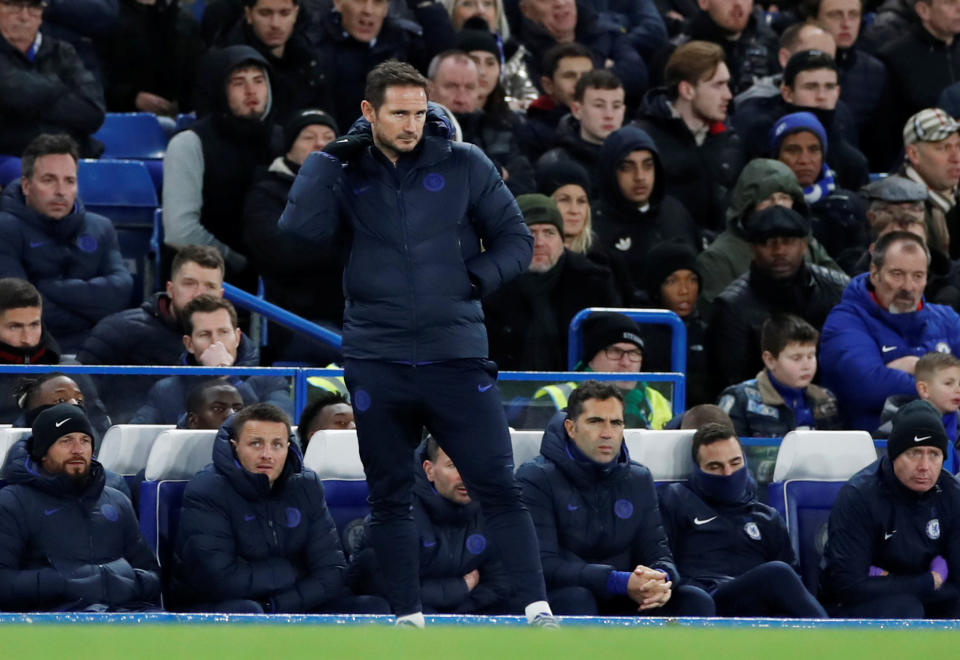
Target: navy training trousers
(459, 403)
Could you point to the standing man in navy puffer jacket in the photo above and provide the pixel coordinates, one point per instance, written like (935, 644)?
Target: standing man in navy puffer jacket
(49, 239)
(602, 545)
(417, 208)
(255, 534)
(67, 541)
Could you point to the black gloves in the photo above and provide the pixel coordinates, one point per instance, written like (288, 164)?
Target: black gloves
(349, 147)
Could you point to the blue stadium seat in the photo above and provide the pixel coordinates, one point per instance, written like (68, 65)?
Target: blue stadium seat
(185, 120)
(123, 191)
(9, 170)
(176, 455)
(335, 456)
(665, 453)
(812, 467)
(136, 136)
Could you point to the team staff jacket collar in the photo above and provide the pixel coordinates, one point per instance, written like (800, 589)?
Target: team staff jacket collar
(21, 469)
(441, 510)
(427, 154)
(64, 229)
(583, 472)
(251, 486)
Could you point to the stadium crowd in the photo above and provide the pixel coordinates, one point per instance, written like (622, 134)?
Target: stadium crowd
(783, 178)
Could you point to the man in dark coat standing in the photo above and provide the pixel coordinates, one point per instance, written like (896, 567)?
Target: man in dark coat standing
(417, 208)
(67, 542)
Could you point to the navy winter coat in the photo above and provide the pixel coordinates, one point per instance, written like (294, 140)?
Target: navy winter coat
(74, 262)
(714, 542)
(591, 521)
(167, 400)
(415, 270)
(452, 543)
(859, 338)
(64, 548)
(877, 521)
(241, 539)
(148, 334)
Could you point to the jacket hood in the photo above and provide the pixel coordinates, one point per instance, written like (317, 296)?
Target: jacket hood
(19, 468)
(759, 179)
(217, 70)
(556, 447)
(67, 228)
(249, 485)
(616, 147)
(159, 306)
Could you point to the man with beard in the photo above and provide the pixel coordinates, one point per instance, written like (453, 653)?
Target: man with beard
(871, 341)
(67, 541)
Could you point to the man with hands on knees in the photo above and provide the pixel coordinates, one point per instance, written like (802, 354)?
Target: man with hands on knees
(68, 542)
(894, 529)
(602, 544)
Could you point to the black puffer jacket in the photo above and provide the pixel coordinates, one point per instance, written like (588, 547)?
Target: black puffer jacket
(592, 519)
(241, 539)
(70, 547)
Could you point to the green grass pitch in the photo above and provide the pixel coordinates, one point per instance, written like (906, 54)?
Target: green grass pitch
(288, 642)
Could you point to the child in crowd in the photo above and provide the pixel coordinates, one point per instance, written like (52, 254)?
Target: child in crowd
(781, 398)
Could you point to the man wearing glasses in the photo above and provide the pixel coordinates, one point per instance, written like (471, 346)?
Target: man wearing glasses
(255, 533)
(44, 87)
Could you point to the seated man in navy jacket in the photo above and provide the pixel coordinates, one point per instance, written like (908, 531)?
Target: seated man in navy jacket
(727, 542)
(894, 530)
(602, 545)
(460, 572)
(67, 541)
(255, 533)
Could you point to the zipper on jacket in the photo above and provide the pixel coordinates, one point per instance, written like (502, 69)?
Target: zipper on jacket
(408, 266)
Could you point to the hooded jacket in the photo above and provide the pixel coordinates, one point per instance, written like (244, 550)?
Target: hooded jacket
(858, 340)
(620, 224)
(877, 521)
(733, 337)
(414, 267)
(729, 255)
(208, 166)
(592, 519)
(699, 176)
(569, 145)
(148, 334)
(240, 538)
(74, 262)
(167, 399)
(453, 543)
(67, 547)
(53, 93)
(714, 542)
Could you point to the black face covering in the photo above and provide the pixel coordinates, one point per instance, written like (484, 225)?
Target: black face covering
(735, 488)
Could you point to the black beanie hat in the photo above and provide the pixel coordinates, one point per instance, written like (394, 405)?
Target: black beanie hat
(917, 424)
(664, 259)
(303, 119)
(559, 174)
(54, 423)
(605, 329)
(470, 40)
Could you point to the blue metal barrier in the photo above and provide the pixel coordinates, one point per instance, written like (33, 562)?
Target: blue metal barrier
(678, 344)
(281, 316)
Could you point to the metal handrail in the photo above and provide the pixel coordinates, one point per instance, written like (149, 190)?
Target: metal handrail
(279, 315)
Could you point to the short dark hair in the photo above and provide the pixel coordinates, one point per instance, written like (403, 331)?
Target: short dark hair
(884, 242)
(46, 144)
(811, 8)
(692, 62)
(315, 407)
(205, 256)
(591, 389)
(705, 413)
(707, 435)
(551, 59)
(782, 329)
(195, 398)
(206, 303)
(27, 386)
(16, 293)
(596, 79)
(259, 412)
(392, 73)
(431, 448)
(253, 3)
(815, 61)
